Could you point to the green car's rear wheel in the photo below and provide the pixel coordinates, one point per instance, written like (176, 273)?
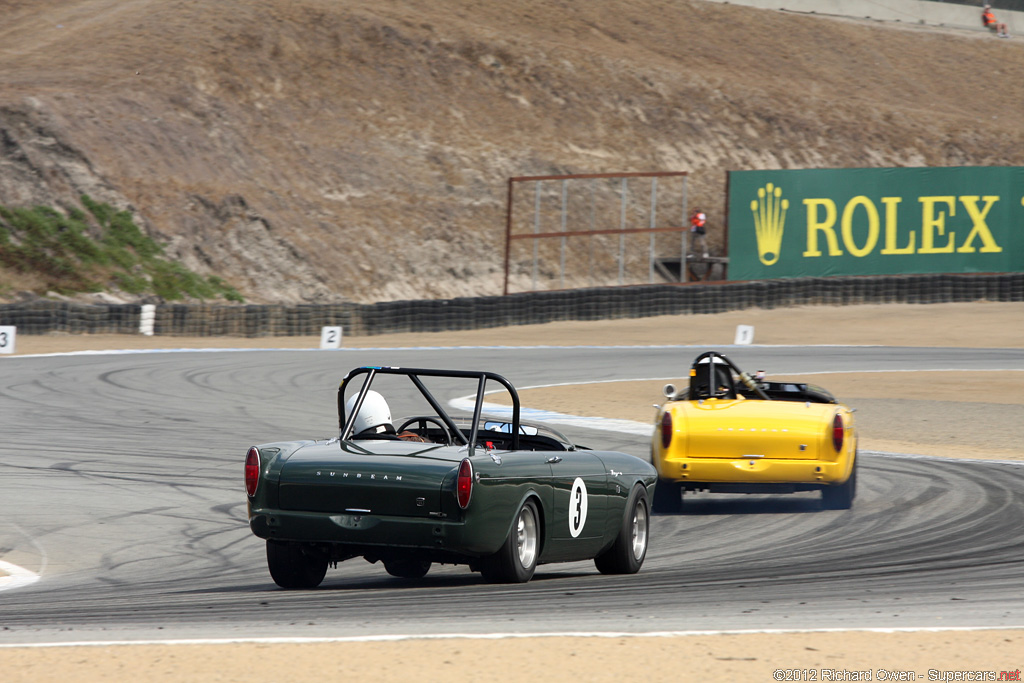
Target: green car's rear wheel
(516, 561)
(294, 566)
(630, 547)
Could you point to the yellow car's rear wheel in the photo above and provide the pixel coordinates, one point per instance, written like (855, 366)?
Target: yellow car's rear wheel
(841, 497)
(668, 497)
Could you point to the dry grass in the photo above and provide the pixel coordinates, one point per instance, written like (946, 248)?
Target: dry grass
(313, 150)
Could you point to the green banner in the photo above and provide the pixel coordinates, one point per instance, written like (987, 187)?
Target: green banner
(875, 221)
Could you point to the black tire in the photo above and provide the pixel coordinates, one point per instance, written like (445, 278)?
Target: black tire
(293, 566)
(516, 560)
(407, 568)
(841, 497)
(668, 497)
(627, 553)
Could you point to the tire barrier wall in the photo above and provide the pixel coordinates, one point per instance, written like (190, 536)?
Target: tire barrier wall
(438, 315)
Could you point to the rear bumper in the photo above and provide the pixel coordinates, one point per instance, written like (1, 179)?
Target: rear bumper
(756, 471)
(370, 530)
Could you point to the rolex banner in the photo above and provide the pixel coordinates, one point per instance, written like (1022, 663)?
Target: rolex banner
(875, 221)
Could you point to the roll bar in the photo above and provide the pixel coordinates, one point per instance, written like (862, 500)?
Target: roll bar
(747, 380)
(346, 423)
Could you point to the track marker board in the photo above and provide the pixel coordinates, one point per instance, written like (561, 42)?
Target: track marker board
(330, 337)
(744, 335)
(7, 333)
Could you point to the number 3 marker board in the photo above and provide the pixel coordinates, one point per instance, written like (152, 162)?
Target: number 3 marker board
(7, 333)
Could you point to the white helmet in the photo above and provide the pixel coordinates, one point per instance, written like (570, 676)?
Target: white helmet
(373, 413)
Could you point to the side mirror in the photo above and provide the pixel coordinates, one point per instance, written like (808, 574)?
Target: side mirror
(669, 390)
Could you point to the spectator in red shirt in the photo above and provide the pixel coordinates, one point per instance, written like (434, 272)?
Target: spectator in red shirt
(698, 221)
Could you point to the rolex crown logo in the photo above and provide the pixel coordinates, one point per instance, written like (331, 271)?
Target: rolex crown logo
(769, 211)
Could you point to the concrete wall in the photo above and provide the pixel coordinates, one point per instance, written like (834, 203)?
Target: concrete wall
(922, 12)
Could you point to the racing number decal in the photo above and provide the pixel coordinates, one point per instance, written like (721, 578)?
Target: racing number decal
(577, 507)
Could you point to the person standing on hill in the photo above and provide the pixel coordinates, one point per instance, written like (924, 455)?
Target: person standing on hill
(698, 223)
(989, 21)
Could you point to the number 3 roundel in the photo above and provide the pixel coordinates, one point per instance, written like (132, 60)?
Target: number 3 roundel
(577, 507)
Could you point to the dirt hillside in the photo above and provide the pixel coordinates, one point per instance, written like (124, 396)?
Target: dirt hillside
(315, 150)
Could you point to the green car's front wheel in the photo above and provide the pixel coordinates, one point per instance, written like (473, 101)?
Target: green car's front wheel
(294, 566)
(516, 560)
(630, 547)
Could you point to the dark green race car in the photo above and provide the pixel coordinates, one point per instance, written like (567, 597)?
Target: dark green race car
(501, 497)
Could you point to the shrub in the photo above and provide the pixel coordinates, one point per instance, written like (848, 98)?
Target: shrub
(72, 252)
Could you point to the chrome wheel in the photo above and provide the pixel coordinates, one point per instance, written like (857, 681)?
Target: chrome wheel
(639, 533)
(627, 553)
(517, 558)
(527, 537)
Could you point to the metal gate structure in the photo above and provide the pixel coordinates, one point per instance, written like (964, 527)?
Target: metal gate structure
(588, 230)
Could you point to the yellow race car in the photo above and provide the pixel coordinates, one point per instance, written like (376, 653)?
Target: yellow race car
(731, 432)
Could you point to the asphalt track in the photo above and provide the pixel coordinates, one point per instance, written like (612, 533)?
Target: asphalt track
(121, 485)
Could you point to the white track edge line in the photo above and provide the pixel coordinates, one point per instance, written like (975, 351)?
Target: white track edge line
(17, 577)
(507, 635)
(109, 352)
(783, 374)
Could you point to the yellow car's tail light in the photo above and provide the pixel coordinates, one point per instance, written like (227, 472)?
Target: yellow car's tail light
(837, 433)
(666, 429)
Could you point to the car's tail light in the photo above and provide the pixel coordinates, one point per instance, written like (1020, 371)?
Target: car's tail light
(252, 471)
(464, 484)
(837, 433)
(666, 429)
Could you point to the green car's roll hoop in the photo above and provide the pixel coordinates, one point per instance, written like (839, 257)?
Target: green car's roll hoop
(346, 422)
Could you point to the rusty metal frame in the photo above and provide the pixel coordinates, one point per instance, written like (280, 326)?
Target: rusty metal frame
(509, 237)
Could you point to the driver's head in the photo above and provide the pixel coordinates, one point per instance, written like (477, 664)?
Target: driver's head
(374, 415)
